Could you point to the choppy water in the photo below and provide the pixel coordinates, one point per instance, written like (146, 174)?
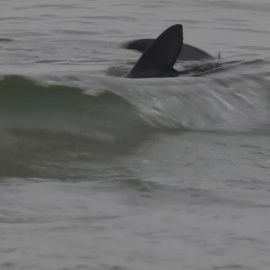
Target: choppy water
(102, 172)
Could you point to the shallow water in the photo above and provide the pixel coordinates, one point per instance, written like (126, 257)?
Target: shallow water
(101, 172)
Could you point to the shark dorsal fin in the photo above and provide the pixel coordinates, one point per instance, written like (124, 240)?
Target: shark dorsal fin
(158, 60)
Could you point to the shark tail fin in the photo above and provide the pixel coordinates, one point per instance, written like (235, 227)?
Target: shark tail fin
(139, 45)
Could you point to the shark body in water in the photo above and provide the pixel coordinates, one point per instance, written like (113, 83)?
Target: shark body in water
(160, 55)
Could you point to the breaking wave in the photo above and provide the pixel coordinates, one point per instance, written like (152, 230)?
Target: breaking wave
(78, 117)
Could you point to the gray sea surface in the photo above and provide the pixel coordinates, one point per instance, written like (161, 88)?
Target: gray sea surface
(106, 173)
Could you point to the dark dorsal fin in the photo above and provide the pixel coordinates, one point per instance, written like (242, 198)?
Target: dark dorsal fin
(159, 58)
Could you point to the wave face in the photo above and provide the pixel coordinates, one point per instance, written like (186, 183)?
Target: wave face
(56, 123)
(59, 118)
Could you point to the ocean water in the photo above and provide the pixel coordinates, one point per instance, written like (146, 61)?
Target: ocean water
(100, 172)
